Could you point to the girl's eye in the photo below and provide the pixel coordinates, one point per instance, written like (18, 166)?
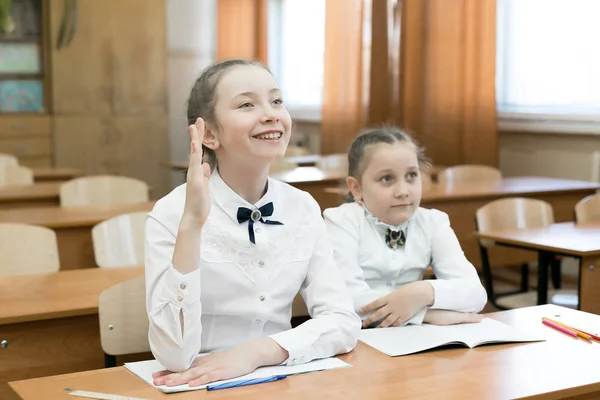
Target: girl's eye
(412, 175)
(245, 105)
(386, 179)
(278, 101)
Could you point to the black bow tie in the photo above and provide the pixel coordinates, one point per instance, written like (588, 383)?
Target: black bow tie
(394, 239)
(245, 214)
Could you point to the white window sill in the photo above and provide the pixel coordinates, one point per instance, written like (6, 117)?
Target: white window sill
(545, 122)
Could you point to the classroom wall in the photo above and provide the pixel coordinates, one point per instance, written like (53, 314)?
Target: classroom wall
(569, 156)
(191, 47)
(558, 155)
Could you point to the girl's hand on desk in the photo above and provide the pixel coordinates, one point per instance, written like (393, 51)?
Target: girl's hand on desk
(399, 306)
(447, 317)
(197, 199)
(238, 361)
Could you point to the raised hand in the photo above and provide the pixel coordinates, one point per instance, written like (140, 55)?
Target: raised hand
(197, 200)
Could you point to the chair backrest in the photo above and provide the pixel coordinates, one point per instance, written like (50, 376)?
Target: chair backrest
(513, 213)
(123, 318)
(468, 173)
(102, 190)
(11, 175)
(119, 241)
(27, 249)
(588, 209)
(8, 160)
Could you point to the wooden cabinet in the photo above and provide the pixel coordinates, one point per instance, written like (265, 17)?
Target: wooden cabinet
(106, 108)
(110, 98)
(116, 62)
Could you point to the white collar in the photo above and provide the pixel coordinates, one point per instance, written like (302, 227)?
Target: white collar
(230, 201)
(380, 224)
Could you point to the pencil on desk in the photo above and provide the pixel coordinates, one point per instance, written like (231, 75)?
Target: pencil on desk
(580, 333)
(559, 328)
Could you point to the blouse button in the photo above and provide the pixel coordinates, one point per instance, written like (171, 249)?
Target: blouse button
(258, 322)
(182, 286)
(261, 263)
(262, 298)
(180, 297)
(257, 230)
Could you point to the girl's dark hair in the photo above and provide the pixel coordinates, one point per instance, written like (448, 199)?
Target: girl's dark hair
(358, 159)
(203, 98)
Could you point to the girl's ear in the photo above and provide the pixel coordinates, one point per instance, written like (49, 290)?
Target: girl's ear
(354, 187)
(210, 140)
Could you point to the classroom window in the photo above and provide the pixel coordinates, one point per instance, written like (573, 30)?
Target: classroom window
(296, 54)
(548, 64)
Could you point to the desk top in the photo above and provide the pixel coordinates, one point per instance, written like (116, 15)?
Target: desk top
(310, 175)
(70, 217)
(54, 174)
(565, 238)
(496, 371)
(36, 191)
(60, 294)
(514, 186)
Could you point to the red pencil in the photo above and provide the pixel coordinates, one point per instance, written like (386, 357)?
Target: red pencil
(559, 328)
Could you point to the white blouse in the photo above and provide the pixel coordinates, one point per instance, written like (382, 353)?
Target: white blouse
(373, 270)
(244, 291)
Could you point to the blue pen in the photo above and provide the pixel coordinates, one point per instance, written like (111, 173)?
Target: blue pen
(246, 382)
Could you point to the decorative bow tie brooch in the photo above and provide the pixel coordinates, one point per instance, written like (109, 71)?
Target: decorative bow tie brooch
(393, 239)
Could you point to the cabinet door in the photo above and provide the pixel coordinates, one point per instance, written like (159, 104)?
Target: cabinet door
(139, 38)
(82, 69)
(130, 146)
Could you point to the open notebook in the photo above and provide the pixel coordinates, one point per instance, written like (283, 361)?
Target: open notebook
(400, 341)
(145, 369)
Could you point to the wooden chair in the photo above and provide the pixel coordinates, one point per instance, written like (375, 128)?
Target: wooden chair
(513, 213)
(119, 241)
(8, 160)
(11, 175)
(588, 209)
(27, 249)
(123, 320)
(102, 190)
(468, 173)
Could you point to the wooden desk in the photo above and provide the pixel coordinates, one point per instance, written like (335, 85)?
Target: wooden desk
(541, 370)
(312, 180)
(54, 174)
(73, 227)
(37, 195)
(50, 322)
(461, 201)
(567, 239)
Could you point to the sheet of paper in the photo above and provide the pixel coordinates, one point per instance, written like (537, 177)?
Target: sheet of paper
(399, 341)
(145, 369)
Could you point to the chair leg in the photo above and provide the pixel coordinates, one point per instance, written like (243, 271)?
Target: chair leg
(487, 275)
(524, 277)
(544, 260)
(555, 270)
(109, 361)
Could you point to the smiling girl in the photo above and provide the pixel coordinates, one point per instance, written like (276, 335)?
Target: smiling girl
(227, 252)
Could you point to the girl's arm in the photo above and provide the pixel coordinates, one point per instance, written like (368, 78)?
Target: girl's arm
(343, 231)
(457, 286)
(173, 295)
(334, 326)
